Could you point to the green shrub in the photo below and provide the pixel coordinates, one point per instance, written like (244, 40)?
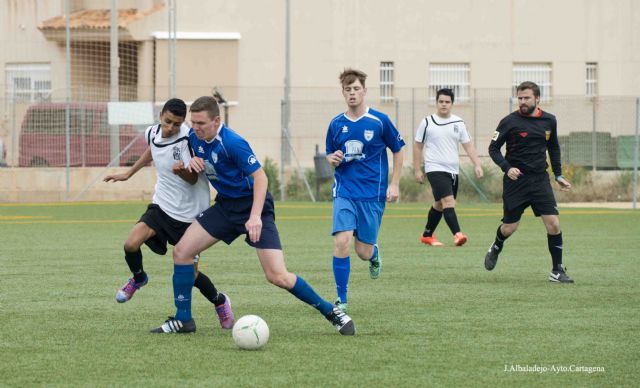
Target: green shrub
(271, 169)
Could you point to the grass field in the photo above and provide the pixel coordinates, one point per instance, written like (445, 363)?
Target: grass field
(434, 318)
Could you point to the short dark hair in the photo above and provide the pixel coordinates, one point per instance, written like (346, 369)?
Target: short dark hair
(175, 106)
(445, 92)
(529, 85)
(207, 104)
(349, 76)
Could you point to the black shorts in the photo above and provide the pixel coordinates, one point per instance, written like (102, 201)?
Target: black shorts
(529, 190)
(443, 184)
(167, 229)
(226, 218)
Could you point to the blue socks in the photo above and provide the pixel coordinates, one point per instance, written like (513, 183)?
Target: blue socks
(341, 270)
(183, 278)
(375, 253)
(303, 291)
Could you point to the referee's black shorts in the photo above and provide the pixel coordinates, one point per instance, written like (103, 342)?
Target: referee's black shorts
(529, 190)
(226, 218)
(443, 184)
(168, 230)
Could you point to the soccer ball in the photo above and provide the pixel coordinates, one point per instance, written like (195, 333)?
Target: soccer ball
(250, 332)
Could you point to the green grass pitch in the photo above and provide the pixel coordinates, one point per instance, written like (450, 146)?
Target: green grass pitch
(434, 318)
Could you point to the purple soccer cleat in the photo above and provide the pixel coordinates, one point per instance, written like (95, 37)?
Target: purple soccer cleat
(126, 292)
(225, 314)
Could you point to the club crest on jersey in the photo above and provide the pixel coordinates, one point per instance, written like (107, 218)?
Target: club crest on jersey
(455, 128)
(252, 160)
(547, 135)
(176, 153)
(353, 150)
(214, 157)
(368, 134)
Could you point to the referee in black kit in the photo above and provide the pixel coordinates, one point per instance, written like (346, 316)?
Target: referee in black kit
(529, 133)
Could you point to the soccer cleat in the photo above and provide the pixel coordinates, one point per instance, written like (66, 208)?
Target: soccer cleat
(341, 321)
(431, 240)
(341, 306)
(225, 314)
(560, 276)
(491, 258)
(459, 239)
(126, 292)
(172, 325)
(375, 265)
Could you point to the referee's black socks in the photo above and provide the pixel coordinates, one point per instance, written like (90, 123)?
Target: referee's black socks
(555, 248)
(499, 242)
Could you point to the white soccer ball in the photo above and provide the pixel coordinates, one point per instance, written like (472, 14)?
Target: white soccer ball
(250, 332)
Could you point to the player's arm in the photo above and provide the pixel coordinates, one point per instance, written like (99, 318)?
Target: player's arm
(188, 175)
(553, 147)
(418, 161)
(498, 139)
(254, 224)
(142, 161)
(393, 192)
(473, 155)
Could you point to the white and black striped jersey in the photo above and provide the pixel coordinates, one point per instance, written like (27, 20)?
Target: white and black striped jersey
(441, 138)
(181, 200)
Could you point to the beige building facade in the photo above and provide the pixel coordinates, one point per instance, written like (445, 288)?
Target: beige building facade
(578, 50)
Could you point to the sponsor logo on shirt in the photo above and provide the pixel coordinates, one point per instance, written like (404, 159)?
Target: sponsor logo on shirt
(200, 150)
(547, 135)
(353, 150)
(523, 134)
(345, 129)
(496, 134)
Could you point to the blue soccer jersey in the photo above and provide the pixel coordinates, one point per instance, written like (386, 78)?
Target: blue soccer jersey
(363, 173)
(229, 162)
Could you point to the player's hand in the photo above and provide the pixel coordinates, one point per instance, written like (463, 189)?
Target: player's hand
(254, 228)
(479, 172)
(564, 184)
(179, 167)
(116, 177)
(419, 176)
(393, 193)
(196, 164)
(335, 158)
(514, 173)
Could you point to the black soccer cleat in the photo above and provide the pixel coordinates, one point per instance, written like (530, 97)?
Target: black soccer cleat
(560, 276)
(341, 321)
(491, 258)
(172, 325)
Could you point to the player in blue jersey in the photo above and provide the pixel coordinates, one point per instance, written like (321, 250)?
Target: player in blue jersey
(243, 206)
(357, 142)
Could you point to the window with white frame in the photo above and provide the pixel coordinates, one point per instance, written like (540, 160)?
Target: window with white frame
(592, 79)
(386, 81)
(454, 76)
(28, 82)
(540, 73)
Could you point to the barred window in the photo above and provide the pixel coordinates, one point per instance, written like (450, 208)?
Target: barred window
(592, 79)
(540, 73)
(454, 76)
(386, 81)
(28, 82)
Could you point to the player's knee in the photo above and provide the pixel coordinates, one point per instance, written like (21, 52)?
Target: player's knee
(180, 255)
(364, 253)
(130, 246)
(508, 229)
(279, 280)
(341, 246)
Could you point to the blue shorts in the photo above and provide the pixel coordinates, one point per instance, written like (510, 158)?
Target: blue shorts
(226, 218)
(363, 217)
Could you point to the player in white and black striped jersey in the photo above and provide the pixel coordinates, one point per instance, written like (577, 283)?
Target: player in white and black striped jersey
(437, 139)
(179, 196)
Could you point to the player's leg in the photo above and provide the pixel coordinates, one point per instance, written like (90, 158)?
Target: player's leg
(195, 240)
(272, 261)
(433, 219)
(220, 301)
(344, 223)
(369, 215)
(133, 256)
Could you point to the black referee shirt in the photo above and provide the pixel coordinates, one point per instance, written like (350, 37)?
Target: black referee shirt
(528, 138)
